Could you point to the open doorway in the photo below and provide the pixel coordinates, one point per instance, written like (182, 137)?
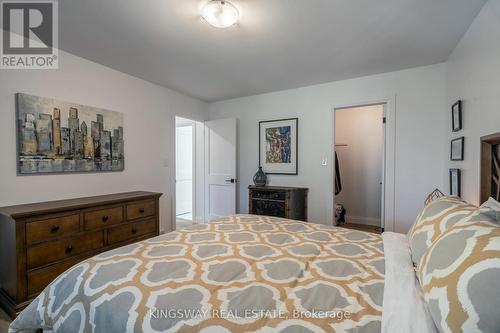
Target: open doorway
(185, 179)
(360, 166)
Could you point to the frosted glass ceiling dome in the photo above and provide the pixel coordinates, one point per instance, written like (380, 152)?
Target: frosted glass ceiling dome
(220, 13)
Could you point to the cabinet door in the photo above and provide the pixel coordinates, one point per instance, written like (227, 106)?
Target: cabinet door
(268, 208)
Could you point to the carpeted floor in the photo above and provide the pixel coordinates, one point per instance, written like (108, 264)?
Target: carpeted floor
(4, 322)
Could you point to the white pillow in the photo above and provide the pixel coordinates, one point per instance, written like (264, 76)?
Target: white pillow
(492, 204)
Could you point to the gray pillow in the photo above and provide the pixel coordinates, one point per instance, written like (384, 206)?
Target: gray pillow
(435, 219)
(460, 275)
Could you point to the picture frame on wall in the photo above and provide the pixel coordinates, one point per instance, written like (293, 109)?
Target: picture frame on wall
(457, 149)
(456, 116)
(278, 146)
(455, 182)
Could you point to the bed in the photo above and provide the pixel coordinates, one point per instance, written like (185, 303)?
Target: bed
(240, 273)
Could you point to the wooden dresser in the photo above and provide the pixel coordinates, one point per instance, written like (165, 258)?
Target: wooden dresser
(286, 202)
(40, 241)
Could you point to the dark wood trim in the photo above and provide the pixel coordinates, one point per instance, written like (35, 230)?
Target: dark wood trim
(488, 144)
(277, 188)
(49, 207)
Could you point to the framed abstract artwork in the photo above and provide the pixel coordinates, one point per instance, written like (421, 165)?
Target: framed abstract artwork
(455, 182)
(456, 116)
(457, 149)
(278, 140)
(61, 137)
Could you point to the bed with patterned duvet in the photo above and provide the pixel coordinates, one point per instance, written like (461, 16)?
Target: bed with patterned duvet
(242, 273)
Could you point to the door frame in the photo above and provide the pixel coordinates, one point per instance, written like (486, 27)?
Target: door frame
(192, 124)
(388, 164)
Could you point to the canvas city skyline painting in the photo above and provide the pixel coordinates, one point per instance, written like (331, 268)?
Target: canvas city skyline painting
(61, 137)
(278, 146)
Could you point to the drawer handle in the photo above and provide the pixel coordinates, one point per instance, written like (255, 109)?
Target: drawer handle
(134, 231)
(68, 249)
(54, 229)
(141, 210)
(105, 218)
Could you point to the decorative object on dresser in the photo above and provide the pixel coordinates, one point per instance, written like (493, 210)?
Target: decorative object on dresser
(456, 116)
(457, 149)
(286, 202)
(455, 182)
(278, 153)
(60, 137)
(490, 167)
(260, 178)
(40, 241)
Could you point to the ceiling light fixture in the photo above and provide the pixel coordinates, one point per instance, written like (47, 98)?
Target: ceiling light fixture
(220, 13)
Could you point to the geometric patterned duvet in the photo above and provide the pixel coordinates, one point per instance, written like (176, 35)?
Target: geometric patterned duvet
(241, 273)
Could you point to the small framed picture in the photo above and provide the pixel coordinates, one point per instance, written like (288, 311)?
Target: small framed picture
(455, 182)
(457, 149)
(456, 116)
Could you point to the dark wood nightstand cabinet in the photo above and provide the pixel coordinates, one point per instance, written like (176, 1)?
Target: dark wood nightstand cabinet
(286, 202)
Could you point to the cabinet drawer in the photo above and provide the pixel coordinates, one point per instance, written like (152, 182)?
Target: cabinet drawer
(141, 209)
(39, 279)
(43, 230)
(101, 218)
(51, 252)
(130, 231)
(272, 195)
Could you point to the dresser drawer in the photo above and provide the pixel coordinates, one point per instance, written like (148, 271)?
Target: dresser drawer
(141, 209)
(99, 219)
(43, 230)
(130, 231)
(54, 251)
(39, 279)
(266, 195)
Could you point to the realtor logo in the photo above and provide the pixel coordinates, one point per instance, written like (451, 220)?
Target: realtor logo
(29, 35)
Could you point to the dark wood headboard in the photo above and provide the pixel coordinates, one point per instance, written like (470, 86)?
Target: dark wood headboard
(490, 167)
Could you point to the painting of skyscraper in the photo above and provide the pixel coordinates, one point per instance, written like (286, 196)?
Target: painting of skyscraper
(61, 137)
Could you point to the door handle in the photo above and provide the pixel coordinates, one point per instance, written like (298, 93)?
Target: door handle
(232, 180)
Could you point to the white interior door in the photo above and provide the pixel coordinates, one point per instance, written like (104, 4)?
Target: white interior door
(220, 167)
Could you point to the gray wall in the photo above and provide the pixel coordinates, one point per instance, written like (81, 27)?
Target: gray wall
(473, 75)
(149, 131)
(420, 96)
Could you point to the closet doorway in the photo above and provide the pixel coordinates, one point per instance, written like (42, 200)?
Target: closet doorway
(359, 150)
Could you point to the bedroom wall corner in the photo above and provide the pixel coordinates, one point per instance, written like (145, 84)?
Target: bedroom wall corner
(149, 117)
(473, 76)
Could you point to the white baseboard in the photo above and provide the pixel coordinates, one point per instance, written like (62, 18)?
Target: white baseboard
(362, 220)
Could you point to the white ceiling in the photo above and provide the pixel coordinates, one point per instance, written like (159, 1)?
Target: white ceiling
(278, 44)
